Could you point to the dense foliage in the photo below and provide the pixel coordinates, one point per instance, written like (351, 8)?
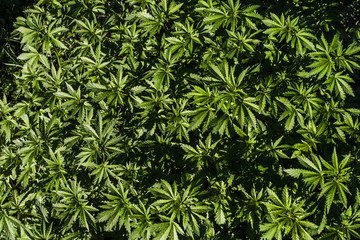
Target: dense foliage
(169, 119)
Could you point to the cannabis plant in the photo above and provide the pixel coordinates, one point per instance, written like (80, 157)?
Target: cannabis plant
(169, 120)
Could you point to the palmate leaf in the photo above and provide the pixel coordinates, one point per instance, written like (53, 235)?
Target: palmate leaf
(314, 176)
(302, 41)
(88, 30)
(252, 207)
(287, 215)
(332, 178)
(350, 126)
(166, 230)
(328, 58)
(30, 29)
(95, 64)
(287, 28)
(183, 207)
(240, 42)
(323, 66)
(349, 227)
(233, 101)
(177, 45)
(180, 123)
(346, 59)
(33, 57)
(73, 206)
(221, 125)
(203, 154)
(292, 113)
(189, 36)
(305, 96)
(49, 41)
(220, 200)
(150, 23)
(74, 102)
(159, 14)
(230, 13)
(202, 96)
(102, 172)
(263, 94)
(143, 216)
(163, 73)
(338, 175)
(117, 210)
(113, 92)
(340, 83)
(44, 231)
(56, 168)
(276, 24)
(204, 114)
(275, 150)
(9, 226)
(100, 143)
(271, 230)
